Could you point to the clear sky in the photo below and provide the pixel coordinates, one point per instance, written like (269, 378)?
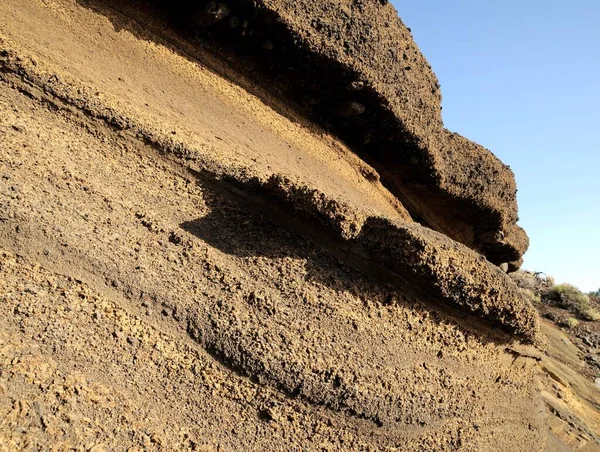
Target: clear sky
(522, 78)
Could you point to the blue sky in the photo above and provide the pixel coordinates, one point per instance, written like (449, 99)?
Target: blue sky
(522, 78)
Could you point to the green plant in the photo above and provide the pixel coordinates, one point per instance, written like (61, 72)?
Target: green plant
(572, 322)
(590, 314)
(533, 282)
(568, 297)
(526, 280)
(531, 296)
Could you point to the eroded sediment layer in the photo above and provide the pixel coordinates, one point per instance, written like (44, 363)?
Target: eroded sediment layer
(163, 261)
(302, 309)
(435, 264)
(427, 260)
(355, 67)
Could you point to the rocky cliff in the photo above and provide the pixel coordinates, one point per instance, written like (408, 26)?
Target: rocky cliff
(357, 68)
(244, 226)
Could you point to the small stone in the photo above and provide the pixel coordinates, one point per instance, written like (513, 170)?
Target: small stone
(356, 85)
(211, 14)
(157, 439)
(38, 408)
(351, 108)
(98, 448)
(31, 290)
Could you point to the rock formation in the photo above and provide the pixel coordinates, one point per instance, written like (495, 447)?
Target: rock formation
(249, 214)
(373, 86)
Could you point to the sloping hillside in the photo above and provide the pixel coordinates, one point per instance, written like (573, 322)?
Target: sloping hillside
(192, 260)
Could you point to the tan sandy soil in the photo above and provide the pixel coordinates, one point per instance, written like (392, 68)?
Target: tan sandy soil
(145, 304)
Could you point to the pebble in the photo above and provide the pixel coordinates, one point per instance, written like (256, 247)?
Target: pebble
(356, 85)
(212, 13)
(350, 108)
(31, 290)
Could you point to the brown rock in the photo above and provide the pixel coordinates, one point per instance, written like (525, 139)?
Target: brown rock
(450, 183)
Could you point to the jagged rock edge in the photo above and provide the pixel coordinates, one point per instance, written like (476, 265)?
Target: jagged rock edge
(406, 249)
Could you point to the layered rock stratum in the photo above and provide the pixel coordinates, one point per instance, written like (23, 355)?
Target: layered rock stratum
(243, 226)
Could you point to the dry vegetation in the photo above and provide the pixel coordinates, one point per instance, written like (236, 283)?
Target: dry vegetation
(542, 289)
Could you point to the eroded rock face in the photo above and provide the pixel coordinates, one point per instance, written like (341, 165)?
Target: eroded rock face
(172, 241)
(436, 265)
(357, 67)
(473, 192)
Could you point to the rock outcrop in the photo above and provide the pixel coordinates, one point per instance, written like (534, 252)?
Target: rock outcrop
(356, 66)
(177, 233)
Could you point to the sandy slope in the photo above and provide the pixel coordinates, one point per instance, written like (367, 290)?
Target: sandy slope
(145, 305)
(170, 94)
(89, 203)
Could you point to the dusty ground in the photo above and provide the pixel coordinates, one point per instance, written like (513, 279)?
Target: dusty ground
(144, 305)
(569, 392)
(572, 367)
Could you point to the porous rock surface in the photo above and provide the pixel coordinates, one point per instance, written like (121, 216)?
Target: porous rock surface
(186, 264)
(445, 180)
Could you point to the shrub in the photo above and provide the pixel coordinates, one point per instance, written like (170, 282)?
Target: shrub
(568, 297)
(571, 322)
(525, 280)
(536, 283)
(590, 314)
(531, 296)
